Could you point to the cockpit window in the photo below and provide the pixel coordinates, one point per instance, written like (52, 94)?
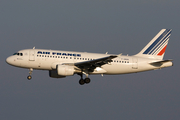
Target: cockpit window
(19, 54)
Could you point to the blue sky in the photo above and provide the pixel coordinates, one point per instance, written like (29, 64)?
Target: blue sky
(88, 26)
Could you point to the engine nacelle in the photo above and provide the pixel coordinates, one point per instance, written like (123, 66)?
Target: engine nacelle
(54, 74)
(65, 70)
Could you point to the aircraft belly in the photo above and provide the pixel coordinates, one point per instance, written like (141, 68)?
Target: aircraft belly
(99, 70)
(118, 69)
(41, 65)
(126, 68)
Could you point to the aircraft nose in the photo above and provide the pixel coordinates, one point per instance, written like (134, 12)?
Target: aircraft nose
(9, 60)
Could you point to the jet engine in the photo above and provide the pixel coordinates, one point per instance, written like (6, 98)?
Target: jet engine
(53, 74)
(65, 70)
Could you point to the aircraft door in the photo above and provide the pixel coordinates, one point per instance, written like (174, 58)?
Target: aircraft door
(31, 55)
(134, 63)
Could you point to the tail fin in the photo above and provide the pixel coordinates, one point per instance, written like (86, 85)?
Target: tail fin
(157, 46)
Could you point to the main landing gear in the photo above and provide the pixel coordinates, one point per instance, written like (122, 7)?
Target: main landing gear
(30, 72)
(83, 81)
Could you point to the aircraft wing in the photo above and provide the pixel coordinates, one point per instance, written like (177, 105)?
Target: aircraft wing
(92, 64)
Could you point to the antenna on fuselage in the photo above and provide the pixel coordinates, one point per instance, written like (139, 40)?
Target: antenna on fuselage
(34, 47)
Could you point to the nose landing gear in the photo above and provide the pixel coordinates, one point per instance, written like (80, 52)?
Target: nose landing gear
(29, 77)
(30, 72)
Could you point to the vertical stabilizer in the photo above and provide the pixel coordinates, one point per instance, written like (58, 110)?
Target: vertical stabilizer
(157, 46)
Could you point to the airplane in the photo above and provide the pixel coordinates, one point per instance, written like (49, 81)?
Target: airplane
(67, 63)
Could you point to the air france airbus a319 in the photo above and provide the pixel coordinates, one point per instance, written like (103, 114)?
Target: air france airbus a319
(67, 63)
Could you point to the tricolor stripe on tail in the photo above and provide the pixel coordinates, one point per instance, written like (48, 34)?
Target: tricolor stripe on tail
(157, 46)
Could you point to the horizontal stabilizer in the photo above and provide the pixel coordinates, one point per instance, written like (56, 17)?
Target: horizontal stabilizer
(159, 63)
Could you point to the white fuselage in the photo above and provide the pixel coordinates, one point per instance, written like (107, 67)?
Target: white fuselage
(67, 63)
(48, 59)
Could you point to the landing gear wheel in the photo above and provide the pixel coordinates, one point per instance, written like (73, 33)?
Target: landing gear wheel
(30, 72)
(81, 82)
(29, 77)
(87, 80)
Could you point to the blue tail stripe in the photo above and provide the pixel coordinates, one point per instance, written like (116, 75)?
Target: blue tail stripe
(157, 40)
(163, 44)
(162, 41)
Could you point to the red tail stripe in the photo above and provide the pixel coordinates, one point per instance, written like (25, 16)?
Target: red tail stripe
(162, 51)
